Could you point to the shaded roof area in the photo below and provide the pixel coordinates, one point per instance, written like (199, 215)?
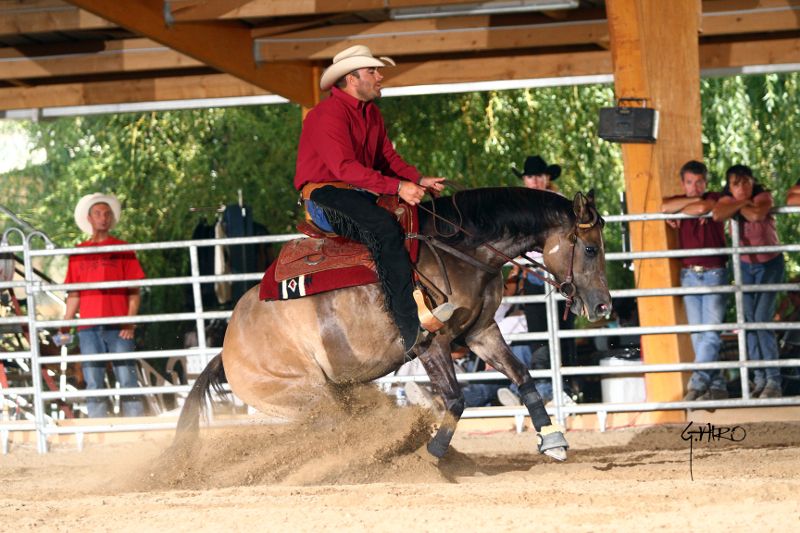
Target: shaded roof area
(83, 52)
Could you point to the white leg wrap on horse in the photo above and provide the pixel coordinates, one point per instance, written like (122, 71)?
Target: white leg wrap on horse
(551, 437)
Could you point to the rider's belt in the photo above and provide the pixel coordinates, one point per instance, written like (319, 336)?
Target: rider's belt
(699, 269)
(308, 188)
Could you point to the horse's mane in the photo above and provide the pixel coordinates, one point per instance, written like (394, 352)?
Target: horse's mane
(493, 213)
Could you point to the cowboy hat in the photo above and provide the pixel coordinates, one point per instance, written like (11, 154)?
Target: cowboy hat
(348, 60)
(535, 165)
(86, 203)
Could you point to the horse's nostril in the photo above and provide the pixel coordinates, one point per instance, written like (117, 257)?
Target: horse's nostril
(603, 310)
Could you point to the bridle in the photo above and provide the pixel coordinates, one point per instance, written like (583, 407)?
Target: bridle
(566, 288)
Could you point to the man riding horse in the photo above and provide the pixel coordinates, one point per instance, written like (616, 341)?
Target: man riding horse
(345, 160)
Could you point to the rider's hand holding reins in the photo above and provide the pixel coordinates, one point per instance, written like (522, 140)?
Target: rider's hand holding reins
(433, 185)
(413, 193)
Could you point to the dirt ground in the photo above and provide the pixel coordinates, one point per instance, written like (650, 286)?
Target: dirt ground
(362, 470)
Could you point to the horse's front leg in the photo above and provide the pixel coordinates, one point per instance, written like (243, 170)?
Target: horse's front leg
(489, 345)
(438, 364)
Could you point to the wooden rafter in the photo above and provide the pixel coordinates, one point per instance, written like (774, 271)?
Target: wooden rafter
(479, 33)
(188, 10)
(39, 16)
(226, 46)
(428, 36)
(114, 92)
(128, 55)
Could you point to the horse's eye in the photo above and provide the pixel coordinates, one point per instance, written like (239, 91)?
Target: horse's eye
(591, 251)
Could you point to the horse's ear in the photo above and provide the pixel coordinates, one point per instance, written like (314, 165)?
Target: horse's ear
(579, 205)
(590, 196)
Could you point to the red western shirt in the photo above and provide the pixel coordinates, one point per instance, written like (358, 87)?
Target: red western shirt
(703, 233)
(110, 266)
(344, 139)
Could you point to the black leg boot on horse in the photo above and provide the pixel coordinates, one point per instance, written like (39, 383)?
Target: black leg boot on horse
(438, 364)
(488, 344)
(354, 214)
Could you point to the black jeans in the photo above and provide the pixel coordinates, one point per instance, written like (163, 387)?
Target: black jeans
(355, 215)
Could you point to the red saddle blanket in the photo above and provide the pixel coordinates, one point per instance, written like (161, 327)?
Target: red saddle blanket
(315, 265)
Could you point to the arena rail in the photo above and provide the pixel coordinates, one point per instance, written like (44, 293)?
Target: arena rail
(46, 425)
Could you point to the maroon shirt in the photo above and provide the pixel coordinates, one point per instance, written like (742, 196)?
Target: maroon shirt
(692, 233)
(344, 139)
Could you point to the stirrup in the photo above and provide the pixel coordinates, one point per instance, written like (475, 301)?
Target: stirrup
(432, 320)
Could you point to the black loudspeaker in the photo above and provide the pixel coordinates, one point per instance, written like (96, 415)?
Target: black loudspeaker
(629, 124)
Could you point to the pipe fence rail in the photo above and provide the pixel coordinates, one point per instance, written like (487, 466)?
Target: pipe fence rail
(35, 395)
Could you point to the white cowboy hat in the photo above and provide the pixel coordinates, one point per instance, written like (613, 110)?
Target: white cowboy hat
(348, 60)
(86, 203)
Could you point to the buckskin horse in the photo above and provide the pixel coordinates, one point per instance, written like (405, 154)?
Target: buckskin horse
(282, 356)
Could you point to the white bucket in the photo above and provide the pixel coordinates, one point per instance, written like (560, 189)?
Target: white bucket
(619, 389)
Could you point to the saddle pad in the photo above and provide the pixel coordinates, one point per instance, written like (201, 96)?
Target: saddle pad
(307, 256)
(309, 284)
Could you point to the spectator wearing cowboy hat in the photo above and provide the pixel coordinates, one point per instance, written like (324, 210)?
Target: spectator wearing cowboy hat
(537, 174)
(96, 215)
(345, 160)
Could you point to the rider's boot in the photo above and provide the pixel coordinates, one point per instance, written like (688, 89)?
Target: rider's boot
(410, 331)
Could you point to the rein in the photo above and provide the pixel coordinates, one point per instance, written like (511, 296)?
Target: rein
(567, 288)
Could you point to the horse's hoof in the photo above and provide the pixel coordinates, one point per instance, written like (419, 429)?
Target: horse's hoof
(559, 454)
(423, 453)
(553, 443)
(436, 448)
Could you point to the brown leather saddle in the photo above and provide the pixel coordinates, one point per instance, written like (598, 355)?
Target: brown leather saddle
(326, 251)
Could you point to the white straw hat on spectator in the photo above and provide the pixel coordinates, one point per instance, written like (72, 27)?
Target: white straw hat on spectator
(86, 203)
(348, 60)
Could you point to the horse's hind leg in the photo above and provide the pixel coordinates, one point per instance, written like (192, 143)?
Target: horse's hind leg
(488, 344)
(439, 365)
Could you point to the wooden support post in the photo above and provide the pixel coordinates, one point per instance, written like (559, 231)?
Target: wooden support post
(316, 93)
(655, 53)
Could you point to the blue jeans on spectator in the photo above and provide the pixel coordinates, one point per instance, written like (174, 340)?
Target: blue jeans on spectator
(544, 387)
(480, 394)
(762, 345)
(106, 339)
(705, 309)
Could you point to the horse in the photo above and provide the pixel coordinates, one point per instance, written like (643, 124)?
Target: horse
(281, 357)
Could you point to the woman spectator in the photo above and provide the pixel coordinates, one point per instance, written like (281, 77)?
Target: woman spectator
(749, 205)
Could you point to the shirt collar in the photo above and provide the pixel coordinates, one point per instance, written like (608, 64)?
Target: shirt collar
(353, 102)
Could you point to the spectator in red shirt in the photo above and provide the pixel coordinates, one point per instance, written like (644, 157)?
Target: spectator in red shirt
(701, 271)
(96, 214)
(345, 160)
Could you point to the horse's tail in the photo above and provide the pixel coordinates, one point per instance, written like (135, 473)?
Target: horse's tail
(212, 377)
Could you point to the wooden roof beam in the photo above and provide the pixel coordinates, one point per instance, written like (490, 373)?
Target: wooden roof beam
(114, 56)
(437, 36)
(427, 36)
(193, 10)
(40, 16)
(115, 92)
(225, 46)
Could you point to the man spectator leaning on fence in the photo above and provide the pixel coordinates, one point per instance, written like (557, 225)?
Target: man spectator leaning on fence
(701, 271)
(749, 205)
(96, 214)
(345, 160)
